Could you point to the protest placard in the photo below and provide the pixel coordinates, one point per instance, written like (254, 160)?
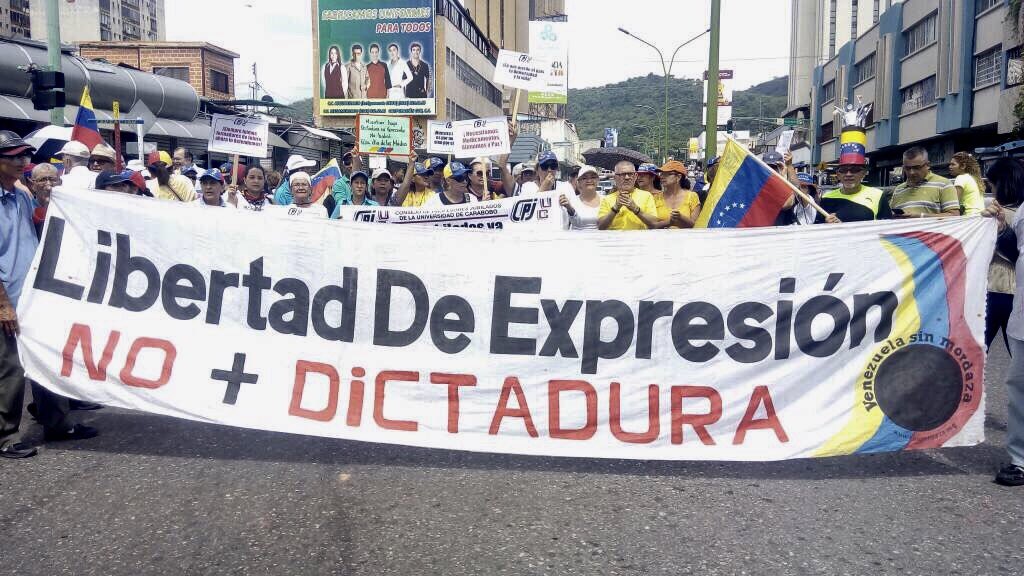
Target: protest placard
(785, 141)
(237, 135)
(481, 137)
(412, 338)
(523, 71)
(440, 137)
(550, 40)
(391, 135)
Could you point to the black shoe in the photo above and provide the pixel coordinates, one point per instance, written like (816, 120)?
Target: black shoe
(83, 405)
(1011, 475)
(76, 432)
(17, 450)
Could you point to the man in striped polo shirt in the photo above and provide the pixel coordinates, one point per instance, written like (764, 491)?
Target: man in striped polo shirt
(923, 195)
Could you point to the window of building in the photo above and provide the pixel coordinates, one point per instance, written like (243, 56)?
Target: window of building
(220, 82)
(987, 68)
(917, 96)
(176, 72)
(853, 19)
(921, 34)
(828, 92)
(832, 29)
(982, 5)
(865, 70)
(1014, 67)
(875, 11)
(826, 132)
(476, 82)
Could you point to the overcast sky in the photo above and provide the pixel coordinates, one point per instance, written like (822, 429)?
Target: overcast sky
(276, 35)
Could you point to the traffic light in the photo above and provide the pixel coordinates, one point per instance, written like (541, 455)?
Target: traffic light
(729, 126)
(47, 89)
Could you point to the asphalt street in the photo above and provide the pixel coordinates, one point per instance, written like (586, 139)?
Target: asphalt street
(156, 495)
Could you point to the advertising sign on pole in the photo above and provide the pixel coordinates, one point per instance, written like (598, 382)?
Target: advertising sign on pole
(611, 137)
(550, 40)
(237, 135)
(724, 96)
(390, 135)
(375, 56)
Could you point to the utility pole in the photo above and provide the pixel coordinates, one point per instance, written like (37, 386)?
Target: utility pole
(711, 122)
(53, 50)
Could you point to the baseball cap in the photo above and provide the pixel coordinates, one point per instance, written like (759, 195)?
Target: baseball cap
(673, 166)
(806, 178)
(713, 161)
(456, 170)
(158, 156)
(545, 157)
(74, 148)
(140, 183)
(108, 178)
(361, 174)
(517, 170)
(296, 162)
(190, 170)
(11, 145)
(587, 170)
(648, 168)
(101, 150)
(772, 158)
(480, 160)
(381, 172)
(436, 163)
(529, 167)
(422, 170)
(212, 174)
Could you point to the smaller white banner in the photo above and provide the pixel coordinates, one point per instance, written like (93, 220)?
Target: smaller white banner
(481, 137)
(540, 212)
(785, 141)
(236, 135)
(440, 137)
(519, 70)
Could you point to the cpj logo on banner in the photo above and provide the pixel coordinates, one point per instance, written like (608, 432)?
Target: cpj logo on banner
(473, 340)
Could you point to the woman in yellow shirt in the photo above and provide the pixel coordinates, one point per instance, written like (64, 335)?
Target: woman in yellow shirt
(415, 188)
(969, 185)
(677, 206)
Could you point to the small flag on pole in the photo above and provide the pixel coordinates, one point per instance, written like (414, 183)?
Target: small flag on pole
(85, 129)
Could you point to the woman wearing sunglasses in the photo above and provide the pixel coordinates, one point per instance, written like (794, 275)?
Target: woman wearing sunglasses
(456, 187)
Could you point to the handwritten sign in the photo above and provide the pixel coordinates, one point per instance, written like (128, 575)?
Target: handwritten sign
(237, 135)
(519, 70)
(383, 134)
(440, 137)
(481, 137)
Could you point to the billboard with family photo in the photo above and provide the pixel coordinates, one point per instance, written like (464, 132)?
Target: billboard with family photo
(375, 57)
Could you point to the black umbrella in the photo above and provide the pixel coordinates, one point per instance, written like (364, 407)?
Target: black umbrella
(607, 158)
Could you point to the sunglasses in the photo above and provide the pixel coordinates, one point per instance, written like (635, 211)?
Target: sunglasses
(479, 173)
(549, 166)
(849, 170)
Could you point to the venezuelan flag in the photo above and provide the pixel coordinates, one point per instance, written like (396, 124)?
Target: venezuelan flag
(324, 180)
(745, 193)
(85, 129)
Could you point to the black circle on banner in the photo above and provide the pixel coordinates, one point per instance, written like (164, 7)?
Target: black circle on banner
(919, 386)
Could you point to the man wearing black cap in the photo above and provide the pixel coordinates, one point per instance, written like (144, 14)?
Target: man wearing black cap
(17, 247)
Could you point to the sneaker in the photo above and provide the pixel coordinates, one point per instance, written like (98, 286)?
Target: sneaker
(17, 450)
(83, 405)
(1011, 475)
(76, 432)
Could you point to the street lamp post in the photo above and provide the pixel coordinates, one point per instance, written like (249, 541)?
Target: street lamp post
(667, 71)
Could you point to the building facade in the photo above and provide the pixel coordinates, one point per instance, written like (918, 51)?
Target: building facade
(208, 68)
(943, 74)
(15, 19)
(96, 20)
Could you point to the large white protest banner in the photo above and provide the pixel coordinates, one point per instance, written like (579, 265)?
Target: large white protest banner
(613, 345)
(237, 135)
(519, 70)
(481, 137)
(538, 212)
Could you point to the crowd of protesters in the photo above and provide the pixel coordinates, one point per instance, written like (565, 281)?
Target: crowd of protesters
(644, 197)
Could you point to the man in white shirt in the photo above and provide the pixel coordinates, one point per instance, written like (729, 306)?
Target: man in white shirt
(547, 178)
(75, 157)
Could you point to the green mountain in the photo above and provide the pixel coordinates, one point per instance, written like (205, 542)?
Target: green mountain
(622, 106)
(628, 105)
